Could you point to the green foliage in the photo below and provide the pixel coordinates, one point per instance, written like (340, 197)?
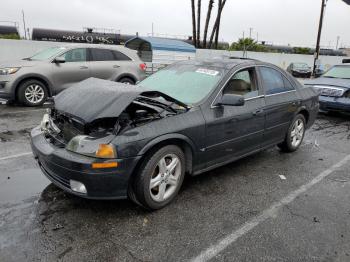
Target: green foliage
(302, 50)
(247, 44)
(10, 36)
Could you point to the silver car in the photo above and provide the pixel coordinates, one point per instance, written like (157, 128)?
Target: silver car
(31, 81)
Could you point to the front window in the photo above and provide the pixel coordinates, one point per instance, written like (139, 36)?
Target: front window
(48, 53)
(75, 55)
(338, 72)
(187, 83)
(243, 83)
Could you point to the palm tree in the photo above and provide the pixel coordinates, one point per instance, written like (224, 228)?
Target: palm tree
(216, 27)
(210, 8)
(194, 37)
(199, 23)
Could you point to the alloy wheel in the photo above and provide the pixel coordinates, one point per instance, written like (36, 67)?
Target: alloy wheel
(297, 133)
(165, 178)
(34, 93)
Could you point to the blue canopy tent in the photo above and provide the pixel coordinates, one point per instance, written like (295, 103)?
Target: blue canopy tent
(147, 47)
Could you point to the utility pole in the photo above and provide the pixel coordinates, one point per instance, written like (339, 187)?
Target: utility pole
(250, 32)
(338, 38)
(317, 53)
(24, 26)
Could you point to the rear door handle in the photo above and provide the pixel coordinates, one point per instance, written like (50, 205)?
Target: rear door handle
(258, 112)
(84, 67)
(116, 66)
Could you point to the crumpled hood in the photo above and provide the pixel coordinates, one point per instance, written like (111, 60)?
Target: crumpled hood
(325, 81)
(94, 99)
(19, 63)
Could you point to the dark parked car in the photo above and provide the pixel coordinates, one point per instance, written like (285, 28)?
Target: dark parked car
(31, 80)
(300, 70)
(334, 88)
(191, 117)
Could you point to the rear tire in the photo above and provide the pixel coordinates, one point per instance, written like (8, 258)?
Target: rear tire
(159, 178)
(295, 134)
(32, 92)
(127, 80)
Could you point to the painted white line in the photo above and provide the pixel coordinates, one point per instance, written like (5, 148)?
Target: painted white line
(16, 156)
(271, 212)
(24, 111)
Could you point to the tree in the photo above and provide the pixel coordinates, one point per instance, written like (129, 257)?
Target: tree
(210, 8)
(199, 23)
(10, 36)
(247, 44)
(216, 26)
(194, 37)
(196, 26)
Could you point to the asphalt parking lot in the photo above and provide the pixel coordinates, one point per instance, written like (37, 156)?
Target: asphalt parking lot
(267, 207)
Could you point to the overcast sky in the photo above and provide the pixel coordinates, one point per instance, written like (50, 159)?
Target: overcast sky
(284, 22)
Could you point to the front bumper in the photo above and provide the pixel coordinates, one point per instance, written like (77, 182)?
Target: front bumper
(60, 166)
(7, 87)
(334, 103)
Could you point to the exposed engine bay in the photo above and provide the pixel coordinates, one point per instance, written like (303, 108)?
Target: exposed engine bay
(62, 127)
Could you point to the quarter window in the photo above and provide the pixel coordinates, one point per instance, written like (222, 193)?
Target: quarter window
(243, 83)
(75, 55)
(274, 82)
(120, 56)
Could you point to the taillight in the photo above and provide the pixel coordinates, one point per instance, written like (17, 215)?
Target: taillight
(143, 67)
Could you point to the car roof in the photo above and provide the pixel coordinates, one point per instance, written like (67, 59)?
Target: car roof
(225, 62)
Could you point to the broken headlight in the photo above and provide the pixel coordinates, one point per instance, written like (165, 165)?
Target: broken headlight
(89, 146)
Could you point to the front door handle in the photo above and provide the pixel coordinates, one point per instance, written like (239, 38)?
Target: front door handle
(258, 112)
(84, 67)
(116, 66)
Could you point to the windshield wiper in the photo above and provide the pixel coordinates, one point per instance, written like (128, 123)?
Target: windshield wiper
(165, 106)
(27, 58)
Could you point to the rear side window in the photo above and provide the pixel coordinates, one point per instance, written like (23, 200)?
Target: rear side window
(75, 55)
(274, 82)
(120, 56)
(102, 55)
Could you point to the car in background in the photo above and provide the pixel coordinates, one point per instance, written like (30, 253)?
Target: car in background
(300, 70)
(334, 88)
(190, 117)
(32, 80)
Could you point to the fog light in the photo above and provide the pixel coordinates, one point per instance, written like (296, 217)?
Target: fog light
(77, 186)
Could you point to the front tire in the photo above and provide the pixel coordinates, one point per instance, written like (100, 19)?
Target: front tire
(159, 178)
(32, 93)
(295, 134)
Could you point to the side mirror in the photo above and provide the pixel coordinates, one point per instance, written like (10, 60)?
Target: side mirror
(59, 60)
(231, 100)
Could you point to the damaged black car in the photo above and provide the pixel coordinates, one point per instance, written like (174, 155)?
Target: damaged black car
(106, 140)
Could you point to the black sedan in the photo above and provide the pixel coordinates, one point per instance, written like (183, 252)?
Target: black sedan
(106, 140)
(300, 70)
(334, 88)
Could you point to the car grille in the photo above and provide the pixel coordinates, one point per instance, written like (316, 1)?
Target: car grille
(62, 181)
(330, 91)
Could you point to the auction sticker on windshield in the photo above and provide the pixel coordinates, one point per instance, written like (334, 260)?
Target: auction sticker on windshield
(207, 71)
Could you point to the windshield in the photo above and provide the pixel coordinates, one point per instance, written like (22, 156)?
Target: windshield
(301, 65)
(186, 83)
(47, 53)
(338, 72)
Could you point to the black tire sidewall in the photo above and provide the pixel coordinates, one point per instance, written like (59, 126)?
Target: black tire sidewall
(142, 180)
(21, 92)
(288, 141)
(127, 80)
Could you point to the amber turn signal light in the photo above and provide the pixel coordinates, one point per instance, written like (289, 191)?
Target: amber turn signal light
(106, 151)
(104, 165)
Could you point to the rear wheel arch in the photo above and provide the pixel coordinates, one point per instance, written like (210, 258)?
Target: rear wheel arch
(305, 113)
